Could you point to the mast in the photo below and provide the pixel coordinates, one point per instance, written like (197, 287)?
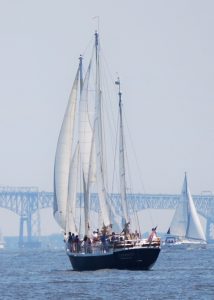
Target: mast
(99, 142)
(122, 159)
(81, 73)
(85, 133)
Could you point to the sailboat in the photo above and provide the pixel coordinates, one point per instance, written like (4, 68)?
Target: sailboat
(185, 227)
(80, 172)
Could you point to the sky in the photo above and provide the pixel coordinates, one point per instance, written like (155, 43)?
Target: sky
(164, 53)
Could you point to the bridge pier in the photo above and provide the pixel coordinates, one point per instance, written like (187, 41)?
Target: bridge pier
(28, 238)
(24, 220)
(26, 241)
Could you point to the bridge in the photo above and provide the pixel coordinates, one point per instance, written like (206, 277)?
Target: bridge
(27, 202)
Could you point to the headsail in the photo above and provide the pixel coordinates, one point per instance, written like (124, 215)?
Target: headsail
(63, 158)
(186, 223)
(194, 228)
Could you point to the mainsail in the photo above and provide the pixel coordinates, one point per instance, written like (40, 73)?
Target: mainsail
(185, 223)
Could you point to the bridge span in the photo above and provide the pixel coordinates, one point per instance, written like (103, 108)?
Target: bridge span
(28, 201)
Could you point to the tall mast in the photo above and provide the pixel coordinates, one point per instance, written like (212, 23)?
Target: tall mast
(83, 177)
(99, 142)
(81, 73)
(96, 45)
(122, 158)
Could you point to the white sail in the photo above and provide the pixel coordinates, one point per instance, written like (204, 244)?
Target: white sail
(92, 162)
(88, 184)
(180, 219)
(63, 158)
(99, 170)
(85, 140)
(72, 193)
(194, 228)
(185, 223)
(85, 129)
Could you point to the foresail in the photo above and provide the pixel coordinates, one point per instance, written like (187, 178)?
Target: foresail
(63, 158)
(186, 221)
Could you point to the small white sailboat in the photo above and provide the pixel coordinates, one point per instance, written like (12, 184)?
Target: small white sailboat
(185, 227)
(81, 170)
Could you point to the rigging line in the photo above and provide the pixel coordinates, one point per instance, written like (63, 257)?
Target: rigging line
(88, 46)
(135, 213)
(109, 119)
(137, 164)
(108, 76)
(112, 78)
(109, 148)
(104, 148)
(115, 153)
(135, 155)
(90, 60)
(110, 114)
(131, 193)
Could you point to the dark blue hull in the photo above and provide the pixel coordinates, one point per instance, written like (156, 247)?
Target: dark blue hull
(129, 259)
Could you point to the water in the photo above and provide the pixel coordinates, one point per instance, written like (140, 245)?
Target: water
(46, 274)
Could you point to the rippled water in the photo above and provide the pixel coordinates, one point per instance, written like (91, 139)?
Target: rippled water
(44, 274)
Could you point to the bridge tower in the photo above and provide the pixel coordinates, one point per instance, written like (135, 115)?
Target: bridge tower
(29, 229)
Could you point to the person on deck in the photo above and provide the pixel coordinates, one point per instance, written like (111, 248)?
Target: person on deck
(69, 241)
(153, 235)
(77, 243)
(126, 230)
(104, 242)
(94, 236)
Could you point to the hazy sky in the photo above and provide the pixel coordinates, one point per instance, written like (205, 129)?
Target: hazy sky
(164, 53)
